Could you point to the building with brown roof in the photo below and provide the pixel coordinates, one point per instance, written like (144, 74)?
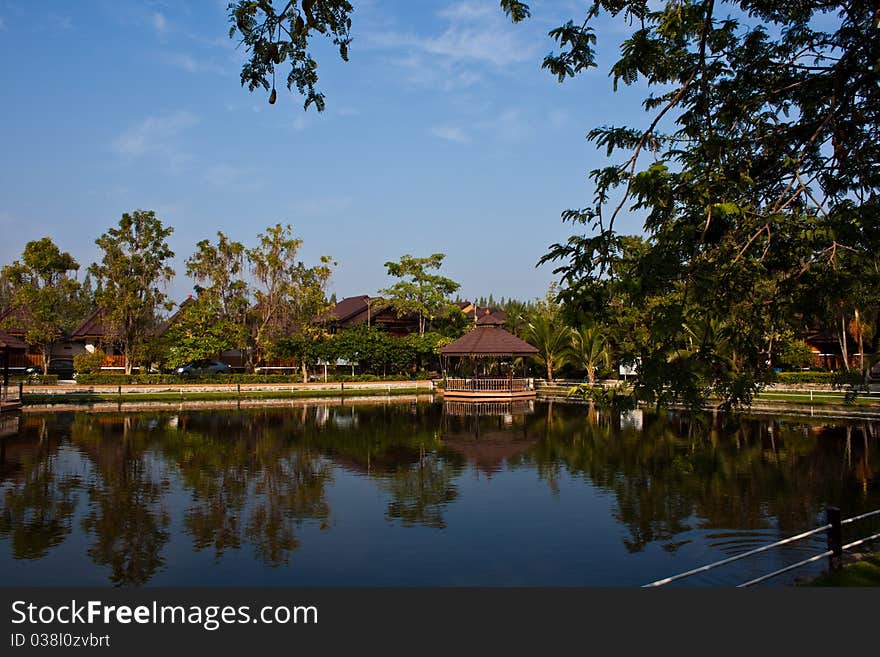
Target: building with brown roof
(372, 311)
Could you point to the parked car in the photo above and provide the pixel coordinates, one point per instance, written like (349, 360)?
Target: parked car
(203, 367)
(61, 367)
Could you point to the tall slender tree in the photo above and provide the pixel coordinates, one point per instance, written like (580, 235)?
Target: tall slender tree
(132, 275)
(289, 295)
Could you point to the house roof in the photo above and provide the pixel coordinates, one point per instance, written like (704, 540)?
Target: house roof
(92, 326)
(488, 341)
(11, 343)
(349, 307)
(491, 320)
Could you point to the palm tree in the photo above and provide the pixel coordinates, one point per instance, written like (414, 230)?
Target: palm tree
(589, 349)
(550, 337)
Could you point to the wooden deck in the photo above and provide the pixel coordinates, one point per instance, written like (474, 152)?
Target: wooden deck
(488, 389)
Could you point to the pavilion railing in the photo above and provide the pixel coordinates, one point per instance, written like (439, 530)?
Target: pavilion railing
(487, 385)
(10, 392)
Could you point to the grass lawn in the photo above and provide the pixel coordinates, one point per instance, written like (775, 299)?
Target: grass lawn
(865, 572)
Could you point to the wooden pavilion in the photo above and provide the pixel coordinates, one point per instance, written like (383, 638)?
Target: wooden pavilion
(480, 365)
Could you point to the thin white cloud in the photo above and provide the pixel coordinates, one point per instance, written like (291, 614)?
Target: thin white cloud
(159, 23)
(451, 133)
(230, 176)
(319, 207)
(157, 136)
(191, 64)
(467, 10)
(474, 33)
(2, 23)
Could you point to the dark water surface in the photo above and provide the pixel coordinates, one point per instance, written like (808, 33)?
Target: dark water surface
(417, 494)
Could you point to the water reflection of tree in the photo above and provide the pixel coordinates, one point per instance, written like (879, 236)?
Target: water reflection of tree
(419, 492)
(38, 501)
(684, 472)
(126, 516)
(250, 482)
(399, 448)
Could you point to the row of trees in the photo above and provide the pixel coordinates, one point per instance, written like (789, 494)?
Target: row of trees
(247, 298)
(262, 301)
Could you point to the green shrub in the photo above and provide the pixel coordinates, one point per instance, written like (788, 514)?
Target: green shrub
(808, 376)
(88, 362)
(36, 379)
(103, 378)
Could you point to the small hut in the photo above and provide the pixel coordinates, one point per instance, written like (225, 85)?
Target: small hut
(480, 365)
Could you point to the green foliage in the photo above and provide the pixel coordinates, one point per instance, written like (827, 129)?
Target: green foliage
(618, 398)
(589, 350)
(794, 354)
(806, 377)
(289, 296)
(197, 332)
(546, 331)
(271, 37)
(44, 293)
(175, 379)
(132, 273)
(755, 170)
(218, 316)
(88, 362)
(419, 292)
(37, 379)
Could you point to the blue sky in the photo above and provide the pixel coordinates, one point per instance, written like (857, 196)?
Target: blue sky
(442, 134)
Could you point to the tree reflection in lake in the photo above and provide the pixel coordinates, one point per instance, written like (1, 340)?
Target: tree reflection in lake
(38, 501)
(265, 484)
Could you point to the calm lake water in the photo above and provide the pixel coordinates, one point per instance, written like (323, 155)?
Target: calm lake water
(417, 494)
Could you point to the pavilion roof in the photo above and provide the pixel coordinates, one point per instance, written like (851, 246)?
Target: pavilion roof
(11, 343)
(487, 341)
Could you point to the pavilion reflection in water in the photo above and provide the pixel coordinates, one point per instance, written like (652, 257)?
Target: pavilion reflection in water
(488, 434)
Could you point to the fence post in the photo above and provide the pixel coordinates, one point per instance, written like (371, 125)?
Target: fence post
(21, 391)
(835, 537)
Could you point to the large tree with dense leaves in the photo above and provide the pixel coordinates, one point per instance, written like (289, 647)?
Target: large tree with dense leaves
(132, 276)
(756, 169)
(44, 295)
(217, 319)
(419, 292)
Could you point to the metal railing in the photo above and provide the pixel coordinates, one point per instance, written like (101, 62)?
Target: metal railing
(487, 385)
(834, 535)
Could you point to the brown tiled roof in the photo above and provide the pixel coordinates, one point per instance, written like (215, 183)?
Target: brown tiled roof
(488, 341)
(491, 320)
(91, 327)
(349, 307)
(11, 343)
